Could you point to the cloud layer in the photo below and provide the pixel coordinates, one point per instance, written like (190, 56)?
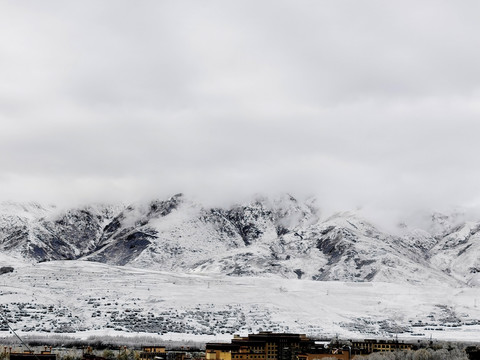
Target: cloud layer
(371, 103)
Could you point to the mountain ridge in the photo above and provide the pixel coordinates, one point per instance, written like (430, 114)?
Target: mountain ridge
(281, 237)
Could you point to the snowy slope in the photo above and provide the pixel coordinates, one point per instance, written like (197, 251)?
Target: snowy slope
(18, 226)
(457, 253)
(78, 297)
(280, 237)
(39, 233)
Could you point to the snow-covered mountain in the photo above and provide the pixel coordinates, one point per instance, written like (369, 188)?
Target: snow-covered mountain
(280, 237)
(34, 232)
(457, 253)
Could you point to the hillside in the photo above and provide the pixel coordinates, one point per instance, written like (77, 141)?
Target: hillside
(280, 237)
(79, 299)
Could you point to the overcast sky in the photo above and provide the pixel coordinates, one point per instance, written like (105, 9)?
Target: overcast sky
(360, 103)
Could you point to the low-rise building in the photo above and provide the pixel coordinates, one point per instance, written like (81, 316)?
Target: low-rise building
(30, 355)
(368, 346)
(153, 353)
(262, 346)
(342, 354)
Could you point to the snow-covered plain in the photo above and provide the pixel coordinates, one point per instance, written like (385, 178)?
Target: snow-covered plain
(80, 298)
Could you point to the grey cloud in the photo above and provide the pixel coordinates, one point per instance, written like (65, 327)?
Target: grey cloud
(371, 104)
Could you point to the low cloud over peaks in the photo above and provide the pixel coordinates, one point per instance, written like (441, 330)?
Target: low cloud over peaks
(366, 104)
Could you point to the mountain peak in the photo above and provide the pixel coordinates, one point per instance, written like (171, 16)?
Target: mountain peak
(281, 236)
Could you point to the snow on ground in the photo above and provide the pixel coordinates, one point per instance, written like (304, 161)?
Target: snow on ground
(80, 298)
(10, 260)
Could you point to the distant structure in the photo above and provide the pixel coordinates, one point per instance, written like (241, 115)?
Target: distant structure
(369, 346)
(30, 355)
(279, 346)
(153, 353)
(262, 346)
(319, 353)
(89, 355)
(160, 353)
(92, 357)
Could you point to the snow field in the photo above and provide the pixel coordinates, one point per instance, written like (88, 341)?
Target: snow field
(79, 297)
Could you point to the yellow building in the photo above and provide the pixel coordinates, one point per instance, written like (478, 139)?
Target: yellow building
(220, 351)
(369, 345)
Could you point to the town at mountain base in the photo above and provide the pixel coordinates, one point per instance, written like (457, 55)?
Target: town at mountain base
(260, 346)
